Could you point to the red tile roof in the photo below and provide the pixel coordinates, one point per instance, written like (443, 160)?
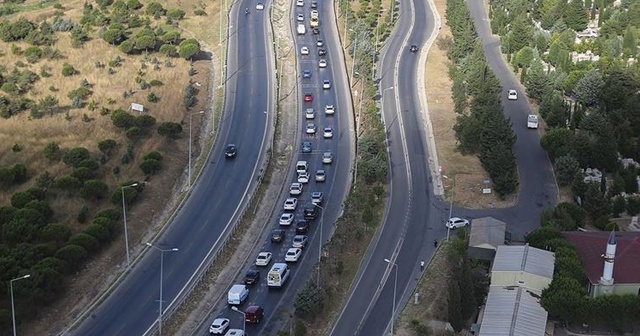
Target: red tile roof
(592, 245)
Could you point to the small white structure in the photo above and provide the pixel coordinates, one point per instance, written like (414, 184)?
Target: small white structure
(588, 56)
(136, 107)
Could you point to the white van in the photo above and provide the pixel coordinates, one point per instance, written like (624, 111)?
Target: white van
(532, 121)
(235, 332)
(237, 294)
(301, 167)
(278, 275)
(301, 29)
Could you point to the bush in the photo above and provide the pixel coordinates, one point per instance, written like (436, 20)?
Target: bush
(107, 145)
(150, 166)
(175, 14)
(99, 232)
(633, 205)
(88, 242)
(169, 129)
(153, 155)
(145, 121)
(72, 255)
(200, 12)
(68, 70)
(75, 156)
(122, 119)
(83, 214)
(309, 301)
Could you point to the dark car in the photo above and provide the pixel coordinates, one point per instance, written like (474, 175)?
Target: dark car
(315, 30)
(302, 226)
(252, 277)
(314, 4)
(253, 314)
(413, 48)
(230, 151)
(322, 52)
(306, 74)
(306, 147)
(277, 235)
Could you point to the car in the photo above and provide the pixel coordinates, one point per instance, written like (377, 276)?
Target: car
(295, 189)
(300, 18)
(251, 277)
(513, 95)
(329, 109)
(456, 222)
(303, 177)
(278, 235)
(306, 147)
(326, 84)
(235, 332)
(328, 132)
(317, 197)
(315, 30)
(413, 48)
(304, 51)
(314, 4)
(286, 218)
(306, 74)
(302, 226)
(322, 63)
(219, 326)
(264, 258)
(299, 3)
(308, 97)
(300, 241)
(320, 43)
(321, 176)
(311, 128)
(290, 204)
(309, 113)
(230, 151)
(327, 157)
(253, 314)
(314, 13)
(322, 52)
(259, 6)
(293, 254)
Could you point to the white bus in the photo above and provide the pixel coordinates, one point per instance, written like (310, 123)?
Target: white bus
(278, 275)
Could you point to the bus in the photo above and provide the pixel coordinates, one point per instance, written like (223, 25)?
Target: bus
(278, 275)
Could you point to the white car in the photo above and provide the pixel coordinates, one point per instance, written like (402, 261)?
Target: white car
(329, 109)
(219, 326)
(317, 197)
(264, 258)
(328, 132)
(321, 176)
(326, 84)
(456, 222)
(303, 177)
(286, 218)
(300, 18)
(320, 43)
(259, 6)
(322, 63)
(304, 51)
(299, 3)
(309, 113)
(290, 204)
(295, 189)
(293, 254)
(311, 128)
(327, 157)
(513, 95)
(299, 241)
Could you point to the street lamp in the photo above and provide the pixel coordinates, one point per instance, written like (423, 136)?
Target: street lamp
(13, 309)
(395, 286)
(319, 243)
(162, 251)
(124, 217)
(191, 115)
(453, 188)
(355, 49)
(244, 317)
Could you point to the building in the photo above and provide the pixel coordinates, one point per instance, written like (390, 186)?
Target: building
(588, 56)
(610, 261)
(485, 235)
(523, 266)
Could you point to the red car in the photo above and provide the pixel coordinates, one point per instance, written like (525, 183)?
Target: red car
(308, 97)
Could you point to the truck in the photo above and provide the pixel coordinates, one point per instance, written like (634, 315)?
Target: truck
(301, 29)
(532, 121)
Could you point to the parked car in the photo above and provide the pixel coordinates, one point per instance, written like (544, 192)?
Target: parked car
(456, 222)
(322, 63)
(308, 97)
(315, 30)
(306, 74)
(260, 6)
(322, 52)
(309, 113)
(219, 326)
(251, 277)
(311, 128)
(326, 84)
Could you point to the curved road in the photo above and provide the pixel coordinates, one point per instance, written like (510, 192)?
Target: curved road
(217, 199)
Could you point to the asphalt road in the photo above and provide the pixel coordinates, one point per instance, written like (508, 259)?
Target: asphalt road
(216, 200)
(278, 301)
(414, 219)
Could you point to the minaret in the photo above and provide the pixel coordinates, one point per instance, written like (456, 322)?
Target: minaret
(606, 281)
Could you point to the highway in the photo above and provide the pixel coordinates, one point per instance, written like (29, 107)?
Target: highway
(338, 172)
(217, 198)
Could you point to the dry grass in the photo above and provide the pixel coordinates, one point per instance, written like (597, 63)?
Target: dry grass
(468, 172)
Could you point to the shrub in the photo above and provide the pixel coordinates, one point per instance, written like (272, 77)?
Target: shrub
(83, 214)
(107, 145)
(68, 70)
(175, 14)
(98, 232)
(150, 166)
(72, 255)
(153, 155)
(200, 12)
(169, 129)
(152, 97)
(145, 121)
(122, 118)
(33, 54)
(75, 156)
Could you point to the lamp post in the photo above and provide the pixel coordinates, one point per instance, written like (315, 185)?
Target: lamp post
(355, 49)
(244, 317)
(453, 188)
(13, 309)
(162, 251)
(320, 242)
(191, 115)
(124, 217)
(395, 286)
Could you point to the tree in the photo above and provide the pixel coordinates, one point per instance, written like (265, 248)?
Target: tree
(554, 111)
(150, 166)
(575, 15)
(538, 237)
(106, 146)
(619, 86)
(309, 301)
(75, 156)
(154, 9)
(589, 88)
(99, 232)
(72, 255)
(524, 57)
(122, 119)
(23, 227)
(168, 50)
(558, 142)
(169, 129)
(175, 14)
(188, 48)
(566, 167)
(537, 82)
(520, 34)
(630, 42)
(114, 35)
(55, 233)
(595, 203)
(88, 242)
(126, 46)
(94, 190)
(52, 151)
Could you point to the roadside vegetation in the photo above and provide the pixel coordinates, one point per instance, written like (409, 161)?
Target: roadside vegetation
(74, 151)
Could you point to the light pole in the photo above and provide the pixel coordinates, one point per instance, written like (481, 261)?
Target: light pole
(124, 217)
(244, 317)
(453, 188)
(320, 242)
(13, 309)
(395, 286)
(162, 251)
(355, 49)
(191, 115)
